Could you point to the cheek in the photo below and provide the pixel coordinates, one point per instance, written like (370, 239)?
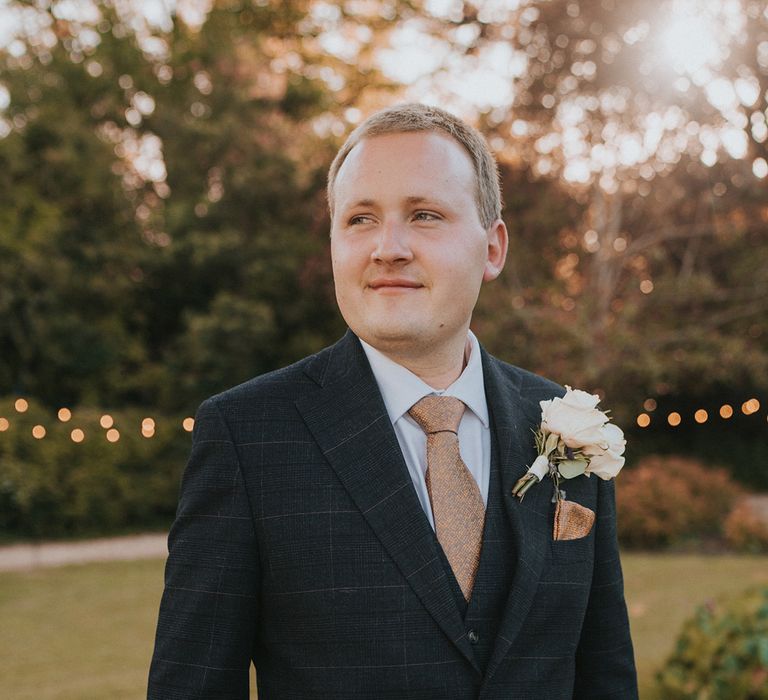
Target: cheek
(347, 259)
(347, 276)
(339, 263)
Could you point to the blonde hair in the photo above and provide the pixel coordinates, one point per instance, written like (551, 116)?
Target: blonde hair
(418, 117)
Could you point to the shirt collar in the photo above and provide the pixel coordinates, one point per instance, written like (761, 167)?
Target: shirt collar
(400, 388)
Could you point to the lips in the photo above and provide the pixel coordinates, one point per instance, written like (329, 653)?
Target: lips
(394, 283)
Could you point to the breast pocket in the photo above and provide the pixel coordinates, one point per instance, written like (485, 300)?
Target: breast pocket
(582, 549)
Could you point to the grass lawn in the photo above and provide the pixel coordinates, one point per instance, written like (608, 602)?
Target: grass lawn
(86, 632)
(662, 590)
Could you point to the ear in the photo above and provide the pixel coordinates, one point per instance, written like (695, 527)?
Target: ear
(498, 242)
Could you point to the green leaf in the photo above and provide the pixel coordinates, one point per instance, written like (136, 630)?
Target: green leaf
(570, 468)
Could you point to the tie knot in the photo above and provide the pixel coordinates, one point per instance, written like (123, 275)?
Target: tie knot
(436, 414)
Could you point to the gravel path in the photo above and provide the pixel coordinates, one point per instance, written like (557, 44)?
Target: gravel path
(19, 557)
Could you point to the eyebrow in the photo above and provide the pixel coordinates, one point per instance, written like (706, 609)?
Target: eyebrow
(415, 199)
(361, 203)
(422, 200)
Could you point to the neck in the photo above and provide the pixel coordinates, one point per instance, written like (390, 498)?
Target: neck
(438, 369)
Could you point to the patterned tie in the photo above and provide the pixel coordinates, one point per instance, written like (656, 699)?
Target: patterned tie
(457, 505)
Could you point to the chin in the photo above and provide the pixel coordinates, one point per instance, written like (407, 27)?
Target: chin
(392, 336)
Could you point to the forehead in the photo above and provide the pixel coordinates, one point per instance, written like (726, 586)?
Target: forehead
(429, 159)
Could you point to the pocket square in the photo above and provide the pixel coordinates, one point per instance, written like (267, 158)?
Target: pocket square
(572, 521)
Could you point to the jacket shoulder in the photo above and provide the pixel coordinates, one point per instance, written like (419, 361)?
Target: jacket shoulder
(529, 383)
(284, 385)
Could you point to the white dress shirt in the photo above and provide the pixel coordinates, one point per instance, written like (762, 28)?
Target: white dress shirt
(401, 388)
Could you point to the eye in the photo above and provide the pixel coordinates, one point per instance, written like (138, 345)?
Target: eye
(426, 216)
(359, 219)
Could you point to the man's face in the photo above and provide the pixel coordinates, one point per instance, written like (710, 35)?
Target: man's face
(409, 252)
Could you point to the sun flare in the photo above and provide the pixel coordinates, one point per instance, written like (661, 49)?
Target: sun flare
(691, 43)
(696, 35)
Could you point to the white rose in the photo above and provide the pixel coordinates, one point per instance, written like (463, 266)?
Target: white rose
(606, 458)
(574, 418)
(579, 399)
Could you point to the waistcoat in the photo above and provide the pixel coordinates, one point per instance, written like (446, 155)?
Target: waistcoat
(482, 614)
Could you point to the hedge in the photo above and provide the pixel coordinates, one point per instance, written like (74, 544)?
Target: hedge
(55, 487)
(722, 652)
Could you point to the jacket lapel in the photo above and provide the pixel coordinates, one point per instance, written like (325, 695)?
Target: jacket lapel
(348, 420)
(514, 416)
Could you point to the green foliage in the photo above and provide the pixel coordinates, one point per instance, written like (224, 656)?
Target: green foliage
(124, 268)
(54, 487)
(225, 346)
(125, 286)
(663, 501)
(722, 652)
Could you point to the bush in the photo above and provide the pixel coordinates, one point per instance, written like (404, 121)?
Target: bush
(745, 531)
(721, 653)
(55, 487)
(739, 445)
(665, 500)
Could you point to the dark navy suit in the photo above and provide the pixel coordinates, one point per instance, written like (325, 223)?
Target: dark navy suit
(300, 545)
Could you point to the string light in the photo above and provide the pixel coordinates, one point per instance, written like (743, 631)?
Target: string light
(750, 407)
(148, 427)
(701, 415)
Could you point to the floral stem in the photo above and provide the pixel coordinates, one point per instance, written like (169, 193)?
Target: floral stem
(523, 484)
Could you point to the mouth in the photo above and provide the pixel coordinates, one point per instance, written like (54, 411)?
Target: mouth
(393, 285)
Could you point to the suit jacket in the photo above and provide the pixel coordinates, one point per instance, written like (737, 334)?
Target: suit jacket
(300, 544)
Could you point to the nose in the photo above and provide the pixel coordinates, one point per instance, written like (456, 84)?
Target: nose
(392, 244)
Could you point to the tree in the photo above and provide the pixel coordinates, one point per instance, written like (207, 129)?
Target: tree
(171, 179)
(651, 120)
(633, 176)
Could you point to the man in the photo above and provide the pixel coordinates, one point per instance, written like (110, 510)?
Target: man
(330, 528)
